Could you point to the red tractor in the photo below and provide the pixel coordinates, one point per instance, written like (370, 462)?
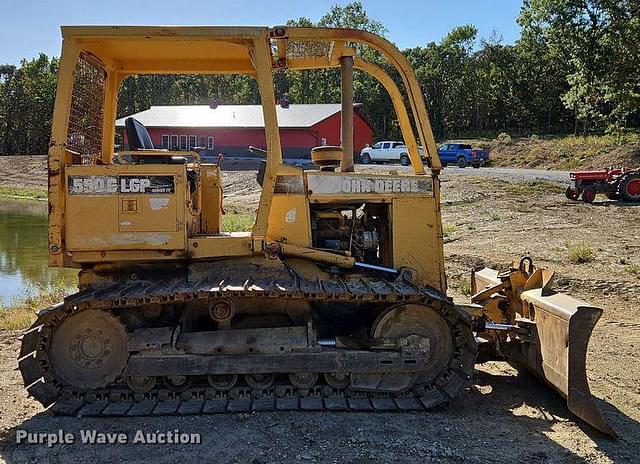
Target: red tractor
(617, 184)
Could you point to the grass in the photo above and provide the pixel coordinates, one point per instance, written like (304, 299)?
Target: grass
(603, 140)
(580, 253)
(449, 229)
(237, 222)
(575, 151)
(462, 285)
(633, 269)
(494, 216)
(563, 152)
(23, 192)
(569, 141)
(20, 313)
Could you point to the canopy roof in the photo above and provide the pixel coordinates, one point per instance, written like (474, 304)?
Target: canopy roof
(169, 49)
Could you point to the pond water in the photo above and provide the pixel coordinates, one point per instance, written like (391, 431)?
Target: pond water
(23, 251)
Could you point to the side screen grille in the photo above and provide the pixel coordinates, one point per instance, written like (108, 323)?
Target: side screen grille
(84, 136)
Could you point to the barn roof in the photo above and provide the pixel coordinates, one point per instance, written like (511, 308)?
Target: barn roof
(295, 116)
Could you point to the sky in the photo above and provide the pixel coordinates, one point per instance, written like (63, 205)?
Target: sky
(28, 27)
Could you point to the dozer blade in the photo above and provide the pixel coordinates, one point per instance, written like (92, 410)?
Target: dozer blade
(556, 349)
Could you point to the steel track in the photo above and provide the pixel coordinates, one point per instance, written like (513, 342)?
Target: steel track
(118, 400)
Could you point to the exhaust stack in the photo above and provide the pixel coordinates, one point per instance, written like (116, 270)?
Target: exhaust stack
(346, 87)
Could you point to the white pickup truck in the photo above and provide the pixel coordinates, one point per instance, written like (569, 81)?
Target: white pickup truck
(387, 151)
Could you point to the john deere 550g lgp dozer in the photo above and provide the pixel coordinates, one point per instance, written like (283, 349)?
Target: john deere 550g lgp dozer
(336, 299)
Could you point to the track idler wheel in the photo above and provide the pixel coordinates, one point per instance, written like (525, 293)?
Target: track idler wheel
(88, 350)
(413, 319)
(451, 350)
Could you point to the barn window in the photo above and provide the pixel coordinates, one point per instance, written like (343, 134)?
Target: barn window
(165, 141)
(323, 141)
(183, 142)
(174, 142)
(193, 142)
(203, 142)
(210, 143)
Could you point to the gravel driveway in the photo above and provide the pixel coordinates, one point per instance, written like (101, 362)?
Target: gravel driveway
(511, 175)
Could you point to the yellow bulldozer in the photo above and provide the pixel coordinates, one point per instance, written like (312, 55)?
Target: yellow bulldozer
(335, 300)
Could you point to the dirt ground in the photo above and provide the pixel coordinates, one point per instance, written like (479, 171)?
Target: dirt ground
(23, 171)
(491, 217)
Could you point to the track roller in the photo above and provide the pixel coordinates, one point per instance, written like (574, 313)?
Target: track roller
(177, 383)
(141, 384)
(259, 381)
(337, 380)
(303, 380)
(222, 382)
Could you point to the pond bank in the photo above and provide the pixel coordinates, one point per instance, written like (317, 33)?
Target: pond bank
(24, 267)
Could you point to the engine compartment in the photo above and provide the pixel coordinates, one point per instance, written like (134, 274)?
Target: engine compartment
(361, 230)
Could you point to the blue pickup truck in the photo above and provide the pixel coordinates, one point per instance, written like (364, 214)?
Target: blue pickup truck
(462, 155)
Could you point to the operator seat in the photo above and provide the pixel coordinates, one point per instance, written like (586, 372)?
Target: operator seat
(139, 139)
(137, 135)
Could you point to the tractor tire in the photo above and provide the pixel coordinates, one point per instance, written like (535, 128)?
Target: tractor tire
(572, 193)
(630, 187)
(365, 159)
(404, 160)
(462, 162)
(588, 195)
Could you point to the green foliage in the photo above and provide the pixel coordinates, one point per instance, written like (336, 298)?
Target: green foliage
(237, 222)
(462, 285)
(503, 137)
(446, 74)
(633, 269)
(594, 43)
(449, 229)
(139, 92)
(579, 253)
(23, 192)
(27, 95)
(323, 86)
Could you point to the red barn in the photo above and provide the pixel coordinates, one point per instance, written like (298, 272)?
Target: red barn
(230, 129)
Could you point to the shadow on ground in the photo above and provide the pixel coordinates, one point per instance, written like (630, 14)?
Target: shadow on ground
(503, 418)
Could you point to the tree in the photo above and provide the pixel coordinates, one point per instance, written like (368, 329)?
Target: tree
(445, 73)
(27, 95)
(595, 43)
(323, 86)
